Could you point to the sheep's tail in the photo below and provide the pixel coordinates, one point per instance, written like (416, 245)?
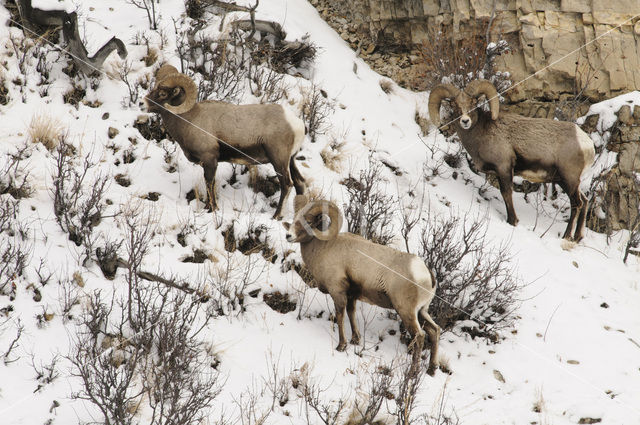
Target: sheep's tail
(433, 278)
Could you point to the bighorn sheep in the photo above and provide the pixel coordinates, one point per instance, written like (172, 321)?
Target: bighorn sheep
(350, 268)
(538, 149)
(212, 131)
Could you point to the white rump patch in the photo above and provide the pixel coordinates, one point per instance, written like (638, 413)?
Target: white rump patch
(419, 271)
(297, 125)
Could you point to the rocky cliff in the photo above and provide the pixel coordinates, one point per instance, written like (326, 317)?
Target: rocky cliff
(602, 38)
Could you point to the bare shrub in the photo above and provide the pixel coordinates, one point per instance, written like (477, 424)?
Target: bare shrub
(378, 391)
(45, 129)
(78, 202)
(449, 57)
(14, 176)
(368, 209)
(45, 373)
(163, 367)
(149, 6)
(316, 110)
(133, 87)
(406, 388)
(221, 63)
(230, 281)
(266, 83)
(330, 412)
(7, 354)
(15, 255)
(474, 281)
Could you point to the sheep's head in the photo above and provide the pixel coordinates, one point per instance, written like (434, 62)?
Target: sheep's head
(464, 102)
(317, 219)
(175, 92)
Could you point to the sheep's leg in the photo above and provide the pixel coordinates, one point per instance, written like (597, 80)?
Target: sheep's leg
(209, 177)
(340, 301)
(506, 189)
(581, 218)
(351, 312)
(285, 187)
(298, 180)
(410, 320)
(576, 205)
(433, 330)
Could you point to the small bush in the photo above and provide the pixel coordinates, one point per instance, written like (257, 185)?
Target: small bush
(474, 282)
(448, 57)
(368, 209)
(316, 110)
(14, 177)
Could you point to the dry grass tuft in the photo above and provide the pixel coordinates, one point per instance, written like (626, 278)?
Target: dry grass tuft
(45, 129)
(333, 156)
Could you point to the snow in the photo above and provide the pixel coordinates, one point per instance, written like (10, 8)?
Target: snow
(561, 317)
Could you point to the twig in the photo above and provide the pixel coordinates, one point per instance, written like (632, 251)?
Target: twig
(549, 322)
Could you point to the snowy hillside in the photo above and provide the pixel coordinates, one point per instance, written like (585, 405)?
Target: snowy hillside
(572, 354)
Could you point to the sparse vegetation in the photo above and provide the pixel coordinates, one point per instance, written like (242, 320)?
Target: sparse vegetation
(368, 209)
(316, 110)
(45, 129)
(460, 59)
(475, 281)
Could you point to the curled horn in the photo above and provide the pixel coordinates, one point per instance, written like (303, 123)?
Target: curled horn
(164, 71)
(443, 91)
(484, 87)
(318, 207)
(190, 91)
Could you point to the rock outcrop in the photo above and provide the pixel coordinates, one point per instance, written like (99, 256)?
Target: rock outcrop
(540, 32)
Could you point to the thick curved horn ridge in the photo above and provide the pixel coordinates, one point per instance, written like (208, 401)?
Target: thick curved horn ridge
(164, 71)
(480, 87)
(189, 87)
(319, 207)
(437, 95)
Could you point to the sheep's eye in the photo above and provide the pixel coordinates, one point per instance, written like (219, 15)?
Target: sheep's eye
(162, 95)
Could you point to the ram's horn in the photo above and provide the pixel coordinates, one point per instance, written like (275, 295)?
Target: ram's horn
(477, 88)
(437, 95)
(190, 91)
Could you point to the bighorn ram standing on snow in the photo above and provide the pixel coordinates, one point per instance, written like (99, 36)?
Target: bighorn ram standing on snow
(538, 149)
(350, 268)
(212, 131)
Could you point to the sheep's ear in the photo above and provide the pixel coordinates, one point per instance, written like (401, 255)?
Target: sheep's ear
(286, 225)
(177, 91)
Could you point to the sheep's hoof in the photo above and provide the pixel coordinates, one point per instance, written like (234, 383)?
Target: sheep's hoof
(355, 340)
(342, 346)
(513, 222)
(431, 370)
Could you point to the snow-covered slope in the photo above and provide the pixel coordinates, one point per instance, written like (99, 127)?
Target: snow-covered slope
(565, 348)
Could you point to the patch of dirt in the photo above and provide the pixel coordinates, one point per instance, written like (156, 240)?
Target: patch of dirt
(74, 96)
(199, 256)
(279, 302)
(4, 93)
(269, 186)
(151, 128)
(122, 180)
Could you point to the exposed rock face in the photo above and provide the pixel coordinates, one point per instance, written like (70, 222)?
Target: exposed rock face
(622, 194)
(540, 33)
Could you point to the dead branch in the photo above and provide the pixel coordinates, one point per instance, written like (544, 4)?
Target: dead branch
(33, 17)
